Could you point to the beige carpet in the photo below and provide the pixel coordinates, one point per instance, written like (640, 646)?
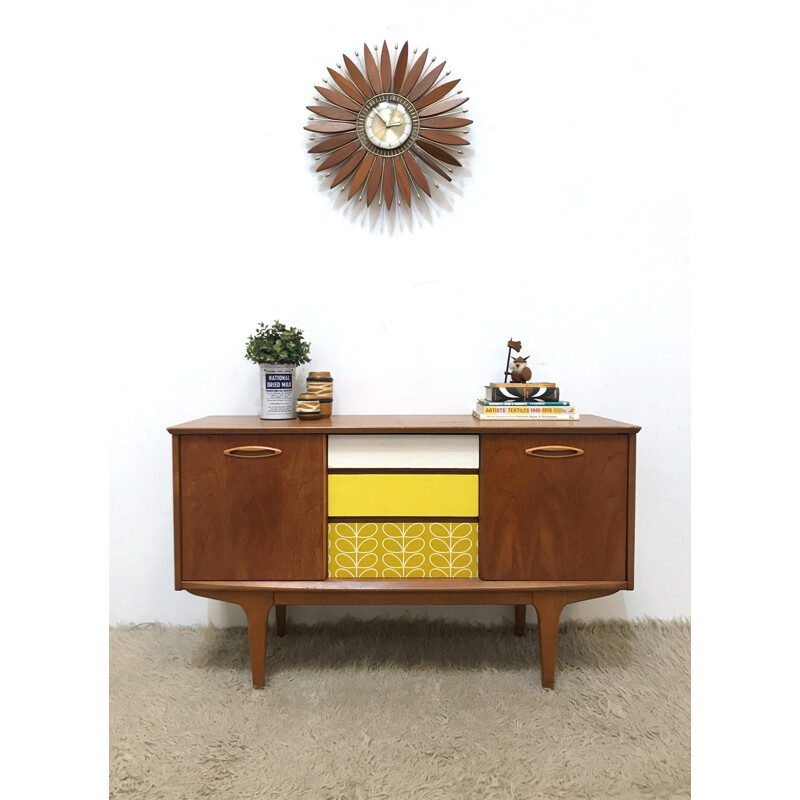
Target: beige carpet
(401, 710)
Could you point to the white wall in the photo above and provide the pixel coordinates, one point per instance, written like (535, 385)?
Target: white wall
(568, 230)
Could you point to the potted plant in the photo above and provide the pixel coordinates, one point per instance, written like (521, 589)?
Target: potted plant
(278, 351)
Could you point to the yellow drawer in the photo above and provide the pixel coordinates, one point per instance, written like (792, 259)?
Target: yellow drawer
(400, 495)
(376, 549)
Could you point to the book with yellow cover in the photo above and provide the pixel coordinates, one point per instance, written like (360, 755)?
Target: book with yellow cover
(523, 410)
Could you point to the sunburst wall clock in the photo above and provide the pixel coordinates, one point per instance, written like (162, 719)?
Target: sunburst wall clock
(388, 125)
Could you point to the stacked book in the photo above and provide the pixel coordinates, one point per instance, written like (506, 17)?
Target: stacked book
(524, 401)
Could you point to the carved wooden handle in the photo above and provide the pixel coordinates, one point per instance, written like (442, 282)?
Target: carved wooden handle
(554, 451)
(252, 451)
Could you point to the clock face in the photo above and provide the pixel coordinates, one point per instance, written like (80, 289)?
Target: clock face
(388, 125)
(389, 122)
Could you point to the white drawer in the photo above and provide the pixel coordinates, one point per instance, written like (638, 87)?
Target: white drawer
(403, 451)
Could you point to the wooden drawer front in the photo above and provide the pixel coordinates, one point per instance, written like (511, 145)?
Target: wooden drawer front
(403, 451)
(402, 495)
(381, 549)
(559, 514)
(249, 517)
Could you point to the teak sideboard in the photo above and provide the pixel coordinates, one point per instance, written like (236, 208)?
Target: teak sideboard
(403, 510)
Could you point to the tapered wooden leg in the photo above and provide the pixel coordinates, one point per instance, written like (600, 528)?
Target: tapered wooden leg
(257, 605)
(548, 607)
(280, 620)
(519, 620)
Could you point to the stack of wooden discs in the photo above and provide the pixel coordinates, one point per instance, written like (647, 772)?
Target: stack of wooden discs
(319, 385)
(308, 407)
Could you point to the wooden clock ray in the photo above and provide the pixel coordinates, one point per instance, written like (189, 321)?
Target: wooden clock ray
(388, 122)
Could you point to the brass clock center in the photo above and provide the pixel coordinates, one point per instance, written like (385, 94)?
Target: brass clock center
(387, 124)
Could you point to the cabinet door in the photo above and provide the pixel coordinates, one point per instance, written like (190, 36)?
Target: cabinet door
(248, 513)
(553, 507)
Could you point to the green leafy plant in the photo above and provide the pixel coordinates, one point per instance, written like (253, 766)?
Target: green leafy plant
(277, 345)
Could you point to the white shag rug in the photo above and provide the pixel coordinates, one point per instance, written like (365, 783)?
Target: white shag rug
(401, 709)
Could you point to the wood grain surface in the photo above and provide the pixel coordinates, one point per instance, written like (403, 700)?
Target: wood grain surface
(437, 152)
(403, 181)
(443, 137)
(373, 75)
(347, 86)
(413, 74)
(437, 94)
(443, 107)
(330, 127)
(339, 155)
(248, 519)
(332, 112)
(374, 180)
(373, 586)
(400, 423)
(339, 99)
(553, 519)
(357, 77)
(426, 82)
(416, 173)
(176, 508)
(429, 162)
(388, 181)
(334, 142)
(400, 68)
(349, 167)
(445, 122)
(361, 174)
(386, 69)
(631, 508)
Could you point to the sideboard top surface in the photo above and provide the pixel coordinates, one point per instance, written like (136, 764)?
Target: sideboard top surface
(389, 423)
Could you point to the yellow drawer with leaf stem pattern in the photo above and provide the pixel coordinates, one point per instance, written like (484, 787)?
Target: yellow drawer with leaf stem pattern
(397, 549)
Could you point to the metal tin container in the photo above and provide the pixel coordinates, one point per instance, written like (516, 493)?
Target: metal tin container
(277, 391)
